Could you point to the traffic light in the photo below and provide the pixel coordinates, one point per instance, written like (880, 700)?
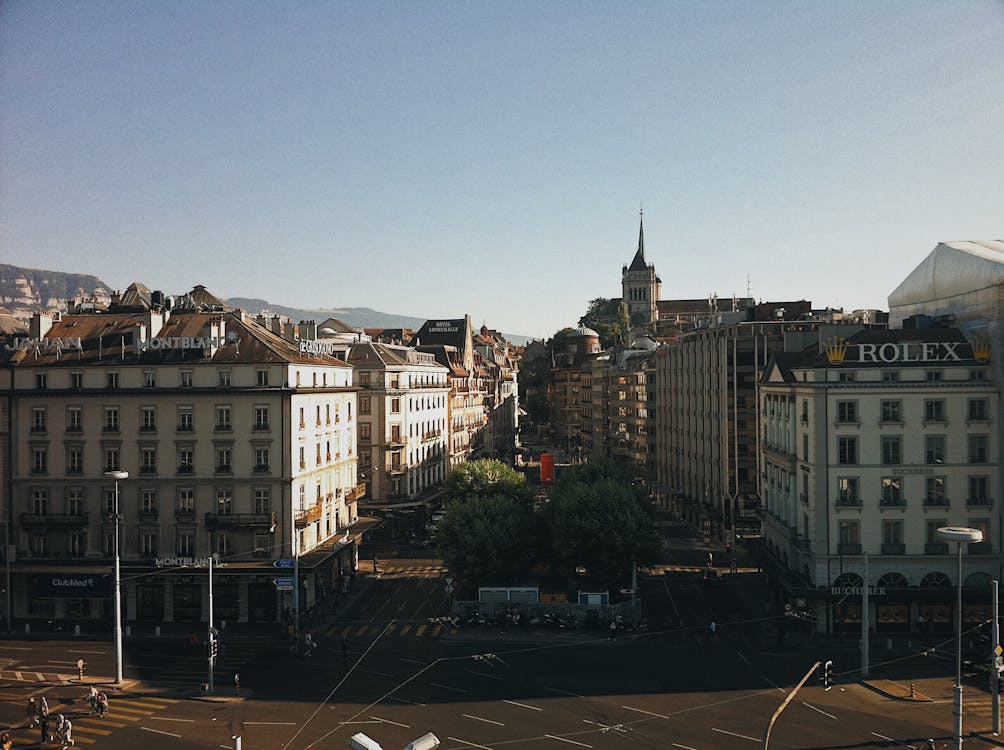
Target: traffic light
(827, 675)
(214, 647)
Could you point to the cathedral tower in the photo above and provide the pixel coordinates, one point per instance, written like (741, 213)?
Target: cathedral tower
(640, 286)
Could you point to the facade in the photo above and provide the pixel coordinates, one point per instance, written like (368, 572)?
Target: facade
(869, 444)
(238, 444)
(565, 392)
(500, 362)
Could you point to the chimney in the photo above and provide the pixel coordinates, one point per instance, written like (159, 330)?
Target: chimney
(154, 322)
(39, 325)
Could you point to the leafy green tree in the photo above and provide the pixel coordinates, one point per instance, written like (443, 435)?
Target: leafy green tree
(487, 540)
(486, 477)
(609, 318)
(600, 520)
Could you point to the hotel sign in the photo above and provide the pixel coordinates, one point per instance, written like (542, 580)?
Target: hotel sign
(839, 350)
(66, 342)
(314, 346)
(444, 326)
(185, 562)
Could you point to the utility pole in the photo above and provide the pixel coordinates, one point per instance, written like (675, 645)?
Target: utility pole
(784, 704)
(996, 662)
(210, 636)
(865, 624)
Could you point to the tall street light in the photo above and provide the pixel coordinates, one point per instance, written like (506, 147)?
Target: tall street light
(117, 518)
(959, 534)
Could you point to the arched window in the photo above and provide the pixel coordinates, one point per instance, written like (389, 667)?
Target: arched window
(935, 581)
(848, 580)
(977, 583)
(893, 581)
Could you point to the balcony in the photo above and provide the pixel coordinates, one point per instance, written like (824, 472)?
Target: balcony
(261, 427)
(186, 469)
(893, 548)
(981, 548)
(65, 520)
(848, 502)
(224, 427)
(396, 440)
(397, 469)
(936, 548)
(184, 516)
(146, 516)
(935, 502)
(231, 520)
(224, 469)
(804, 497)
(308, 516)
(260, 469)
(186, 428)
(356, 492)
(892, 502)
(978, 502)
(148, 471)
(849, 548)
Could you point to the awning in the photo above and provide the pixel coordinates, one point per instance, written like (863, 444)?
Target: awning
(339, 542)
(393, 506)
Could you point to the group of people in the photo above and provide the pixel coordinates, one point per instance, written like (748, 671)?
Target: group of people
(98, 701)
(37, 714)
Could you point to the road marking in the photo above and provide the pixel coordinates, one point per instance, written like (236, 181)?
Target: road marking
(361, 630)
(487, 721)
(742, 736)
(91, 652)
(404, 700)
(684, 747)
(15, 648)
(437, 630)
(890, 739)
(482, 674)
(563, 692)
(159, 731)
(161, 718)
(389, 630)
(562, 739)
(272, 723)
(643, 711)
(472, 744)
(447, 687)
(771, 682)
(605, 727)
(388, 721)
(809, 705)
(421, 630)
(740, 655)
(405, 629)
(521, 705)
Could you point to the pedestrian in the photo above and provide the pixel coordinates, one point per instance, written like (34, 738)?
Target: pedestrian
(309, 645)
(713, 627)
(6, 741)
(193, 640)
(65, 728)
(30, 713)
(102, 702)
(375, 564)
(43, 726)
(613, 630)
(710, 560)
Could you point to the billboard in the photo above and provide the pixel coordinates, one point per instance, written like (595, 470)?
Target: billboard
(72, 585)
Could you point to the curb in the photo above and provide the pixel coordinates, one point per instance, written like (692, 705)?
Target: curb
(895, 691)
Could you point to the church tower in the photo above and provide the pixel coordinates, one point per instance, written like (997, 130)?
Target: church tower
(640, 286)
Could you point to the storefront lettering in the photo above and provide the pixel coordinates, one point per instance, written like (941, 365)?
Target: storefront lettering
(78, 583)
(185, 562)
(857, 590)
(56, 342)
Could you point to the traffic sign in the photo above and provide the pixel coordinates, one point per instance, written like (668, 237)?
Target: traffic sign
(284, 587)
(280, 583)
(449, 588)
(449, 581)
(998, 650)
(284, 563)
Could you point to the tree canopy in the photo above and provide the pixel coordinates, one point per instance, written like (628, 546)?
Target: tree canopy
(485, 477)
(609, 318)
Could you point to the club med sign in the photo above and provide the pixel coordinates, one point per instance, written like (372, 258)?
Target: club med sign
(839, 351)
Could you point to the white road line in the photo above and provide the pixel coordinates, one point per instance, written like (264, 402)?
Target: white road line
(521, 705)
(91, 652)
(643, 711)
(771, 682)
(388, 721)
(563, 692)
(158, 731)
(742, 736)
(809, 705)
(447, 687)
(404, 700)
(562, 739)
(684, 747)
(483, 674)
(741, 656)
(161, 718)
(486, 721)
(471, 744)
(14, 648)
(272, 723)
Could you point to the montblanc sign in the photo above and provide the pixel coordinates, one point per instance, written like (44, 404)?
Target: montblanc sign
(185, 562)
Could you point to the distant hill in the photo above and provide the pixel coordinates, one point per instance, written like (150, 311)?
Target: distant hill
(357, 317)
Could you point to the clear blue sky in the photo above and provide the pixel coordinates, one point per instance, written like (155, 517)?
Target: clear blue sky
(441, 158)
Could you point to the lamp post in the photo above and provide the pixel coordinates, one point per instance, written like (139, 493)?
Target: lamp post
(959, 534)
(117, 517)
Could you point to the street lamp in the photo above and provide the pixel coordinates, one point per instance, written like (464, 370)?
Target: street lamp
(959, 535)
(117, 517)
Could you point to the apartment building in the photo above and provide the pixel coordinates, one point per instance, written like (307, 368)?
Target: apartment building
(869, 443)
(239, 445)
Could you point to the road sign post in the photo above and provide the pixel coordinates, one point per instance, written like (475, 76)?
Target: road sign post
(284, 583)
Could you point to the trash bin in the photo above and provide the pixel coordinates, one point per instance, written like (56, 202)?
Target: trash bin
(205, 688)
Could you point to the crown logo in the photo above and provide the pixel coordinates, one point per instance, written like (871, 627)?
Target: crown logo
(981, 348)
(836, 350)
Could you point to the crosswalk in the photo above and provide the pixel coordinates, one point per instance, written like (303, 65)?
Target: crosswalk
(661, 570)
(397, 629)
(399, 569)
(89, 729)
(187, 672)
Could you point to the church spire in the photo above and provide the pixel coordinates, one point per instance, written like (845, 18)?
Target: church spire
(638, 263)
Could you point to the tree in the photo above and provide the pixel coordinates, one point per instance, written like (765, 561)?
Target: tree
(485, 477)
(601, 520)
(609, 318)
(488, 539)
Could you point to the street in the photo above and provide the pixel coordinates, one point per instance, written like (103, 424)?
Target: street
(677, 685)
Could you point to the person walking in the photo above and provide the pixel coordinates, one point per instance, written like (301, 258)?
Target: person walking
(43, 726)
(30, 713)
(376, 566)
(6, 741)
(309, 644)
(65, 728)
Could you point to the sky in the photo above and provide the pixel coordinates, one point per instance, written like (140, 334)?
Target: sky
(440, 158)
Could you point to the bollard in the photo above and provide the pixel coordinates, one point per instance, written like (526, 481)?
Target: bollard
(913, 690)
(156, 632)
(27, 628)
(237, 684)
(76, 630)
(128, 631)
(888, 644)
(237, 741)
(80, 669)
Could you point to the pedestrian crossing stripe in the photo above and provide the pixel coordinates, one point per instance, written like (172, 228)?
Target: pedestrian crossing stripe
(390, 629)
(405, 629)
(420, 630)
(409, 629)
(86, 726)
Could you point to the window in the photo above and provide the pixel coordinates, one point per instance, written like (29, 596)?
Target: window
(148, 503)
(932, 525)
(979, 446)
(977, 410)
(224, 502)
(892, 536)
(261, 418)
(977, 374)
(847, 411)
(892, 491)
(40, 502)
(262, 544)
(892, 451)
(223, 378)
(186, 419)
(223, 418)
(261, 459)
(892, 411)
(39, 545)
(147, 460)
(364, 379)
(76, 544)
(39, 419)
(934, 491)
(983, 525)
(261, 377)
(221, 544)
(74, 419)
(149, 379)
(933, 376)
(317, 415)
(186, 500)
(111, 462)
(223, 461)
(395, 406)
(111, 423)
(847, 450)
(186, 460)
(847, 376)
(303, 422)
(41, 381)
(978, 491)
(934, 410)
(890, 376)
(147, 419)
(39, 460)
(327, 414)
(849, 537)
(75, 505)
(364, 431)
(109, 500)
(148, 543)
(934, 449)
(262, 500)
(847, 491)
(76, 380)
(364, 404)
(112, 379)
(184, 543)
(74, 460)
(185, 378)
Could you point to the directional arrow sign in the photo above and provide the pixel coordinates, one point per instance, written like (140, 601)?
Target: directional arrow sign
(284, 563)
(449, 588)
(282, 581)
(449, 581)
